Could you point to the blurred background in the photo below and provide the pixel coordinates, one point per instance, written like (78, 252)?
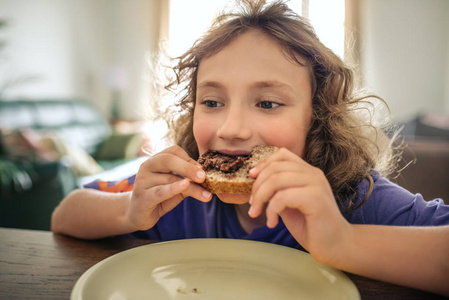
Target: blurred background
(78, 84)
(88, 48)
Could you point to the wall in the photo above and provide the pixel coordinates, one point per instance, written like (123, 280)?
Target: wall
(82, 48)
(86, 48)
(38, 44)
(405, 54)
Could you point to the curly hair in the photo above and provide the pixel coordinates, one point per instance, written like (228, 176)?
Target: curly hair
(342, 140)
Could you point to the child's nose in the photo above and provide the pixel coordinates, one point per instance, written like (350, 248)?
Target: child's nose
(235, 125)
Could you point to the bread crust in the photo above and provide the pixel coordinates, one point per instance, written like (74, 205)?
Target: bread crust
(227, 187)
(239, 182)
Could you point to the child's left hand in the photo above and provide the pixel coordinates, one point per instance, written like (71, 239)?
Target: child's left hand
(302, 196)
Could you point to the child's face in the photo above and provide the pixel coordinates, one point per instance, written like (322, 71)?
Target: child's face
(251, 93)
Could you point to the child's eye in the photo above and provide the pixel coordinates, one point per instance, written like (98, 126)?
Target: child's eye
(268, 104)
(211, 103)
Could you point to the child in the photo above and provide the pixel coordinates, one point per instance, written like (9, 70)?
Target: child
(262, 77)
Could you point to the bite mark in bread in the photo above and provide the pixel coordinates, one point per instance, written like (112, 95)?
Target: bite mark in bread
(229, 174)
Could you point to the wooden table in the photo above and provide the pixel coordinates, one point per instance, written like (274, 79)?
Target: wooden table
(41, 265)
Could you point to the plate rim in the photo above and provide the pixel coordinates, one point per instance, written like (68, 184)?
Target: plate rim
(76, 293)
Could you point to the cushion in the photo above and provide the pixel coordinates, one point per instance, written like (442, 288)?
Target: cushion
(120, 146)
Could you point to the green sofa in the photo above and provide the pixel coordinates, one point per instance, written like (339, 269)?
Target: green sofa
(31, 188)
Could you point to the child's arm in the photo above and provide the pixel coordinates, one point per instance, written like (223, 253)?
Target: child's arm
(411, 256)
(301, 195)
(90, 214)
(162, 182)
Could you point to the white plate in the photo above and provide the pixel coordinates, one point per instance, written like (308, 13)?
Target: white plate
(213, 269)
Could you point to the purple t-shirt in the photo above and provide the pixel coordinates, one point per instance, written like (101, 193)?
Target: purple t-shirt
(389, 204)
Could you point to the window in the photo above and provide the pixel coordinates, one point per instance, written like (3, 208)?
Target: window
(328, 18)
(189, 19)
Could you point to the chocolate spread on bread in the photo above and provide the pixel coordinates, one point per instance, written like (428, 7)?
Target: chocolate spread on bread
(229, 174)
(213, 159)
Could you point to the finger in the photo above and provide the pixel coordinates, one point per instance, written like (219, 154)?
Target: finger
(196, 191)
(276, 182)
(272, 219)
(166, 162)
(312, 183)
(147, 182)
(283, 202)
(169, 163)
(309, 201)
(282, 174)
(161, 193)
(281, 155)
(169, 197)
(178, 151)
(275, 207)
(278, 168)
(279, 177)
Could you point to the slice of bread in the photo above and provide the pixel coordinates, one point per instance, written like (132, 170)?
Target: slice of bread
(239, 181)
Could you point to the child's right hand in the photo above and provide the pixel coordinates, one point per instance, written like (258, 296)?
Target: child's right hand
(161, 183)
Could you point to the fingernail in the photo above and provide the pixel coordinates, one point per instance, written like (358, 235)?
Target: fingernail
(250, 200)
(206, 194)
(250, 211)
(252, 171)
(200, 174)
(183, 183)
